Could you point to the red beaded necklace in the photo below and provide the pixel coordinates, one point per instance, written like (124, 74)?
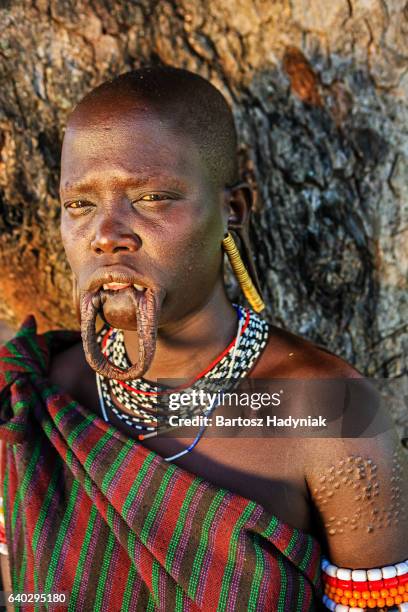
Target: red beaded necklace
(197, 377)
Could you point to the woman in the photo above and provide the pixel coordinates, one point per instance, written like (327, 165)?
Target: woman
(102, 510)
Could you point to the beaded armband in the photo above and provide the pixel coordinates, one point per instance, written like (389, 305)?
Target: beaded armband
(348, 590)
(3, 541)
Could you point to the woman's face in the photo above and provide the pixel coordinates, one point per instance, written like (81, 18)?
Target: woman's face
(138, 208)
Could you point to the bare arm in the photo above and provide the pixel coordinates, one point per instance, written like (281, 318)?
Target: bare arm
(359, 488)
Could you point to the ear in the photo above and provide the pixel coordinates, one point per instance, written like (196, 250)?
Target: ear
(238, 202)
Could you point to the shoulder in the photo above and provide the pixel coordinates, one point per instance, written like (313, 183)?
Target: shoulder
(68, 365)
(69, 369)
(357, 484)
(288, 355)
(359, 490)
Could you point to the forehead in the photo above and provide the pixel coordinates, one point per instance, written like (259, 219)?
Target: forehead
(99, 147)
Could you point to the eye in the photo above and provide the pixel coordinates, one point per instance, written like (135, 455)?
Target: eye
(77, 204)
(154, 197)
(154, 200)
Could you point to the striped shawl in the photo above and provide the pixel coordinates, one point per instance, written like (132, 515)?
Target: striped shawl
(97, 516)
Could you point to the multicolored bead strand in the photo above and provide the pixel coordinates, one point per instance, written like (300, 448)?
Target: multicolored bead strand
(146, 404)
(348, 590)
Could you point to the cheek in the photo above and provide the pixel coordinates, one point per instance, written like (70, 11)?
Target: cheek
(65, 240)
(192, 247)
(71, 241)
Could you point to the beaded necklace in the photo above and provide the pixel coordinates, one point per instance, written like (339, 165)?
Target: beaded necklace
(145, 406)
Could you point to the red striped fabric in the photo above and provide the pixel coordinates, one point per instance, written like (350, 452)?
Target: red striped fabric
(95, 515)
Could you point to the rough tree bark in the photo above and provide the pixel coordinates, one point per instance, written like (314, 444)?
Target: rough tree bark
(319, 92)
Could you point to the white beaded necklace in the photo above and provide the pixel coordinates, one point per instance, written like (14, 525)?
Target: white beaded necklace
(144, 400)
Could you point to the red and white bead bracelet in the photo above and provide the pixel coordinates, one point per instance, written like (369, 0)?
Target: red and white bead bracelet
(348, 590)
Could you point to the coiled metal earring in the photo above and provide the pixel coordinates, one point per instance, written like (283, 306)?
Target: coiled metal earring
(248, 288)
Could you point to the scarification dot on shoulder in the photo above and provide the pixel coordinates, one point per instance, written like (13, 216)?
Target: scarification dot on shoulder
(360, 474)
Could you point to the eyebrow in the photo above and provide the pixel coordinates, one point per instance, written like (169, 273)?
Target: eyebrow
(130, 181)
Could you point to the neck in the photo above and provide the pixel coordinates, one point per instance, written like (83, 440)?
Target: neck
(186, 347)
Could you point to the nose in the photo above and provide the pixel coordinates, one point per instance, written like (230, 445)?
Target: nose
(112, 236)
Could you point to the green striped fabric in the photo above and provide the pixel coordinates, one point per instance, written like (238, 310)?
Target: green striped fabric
(107, 524)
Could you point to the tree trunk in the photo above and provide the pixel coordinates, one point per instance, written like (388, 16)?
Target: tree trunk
(319, 93)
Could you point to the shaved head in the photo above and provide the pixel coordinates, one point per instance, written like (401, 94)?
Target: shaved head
(184, 100)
